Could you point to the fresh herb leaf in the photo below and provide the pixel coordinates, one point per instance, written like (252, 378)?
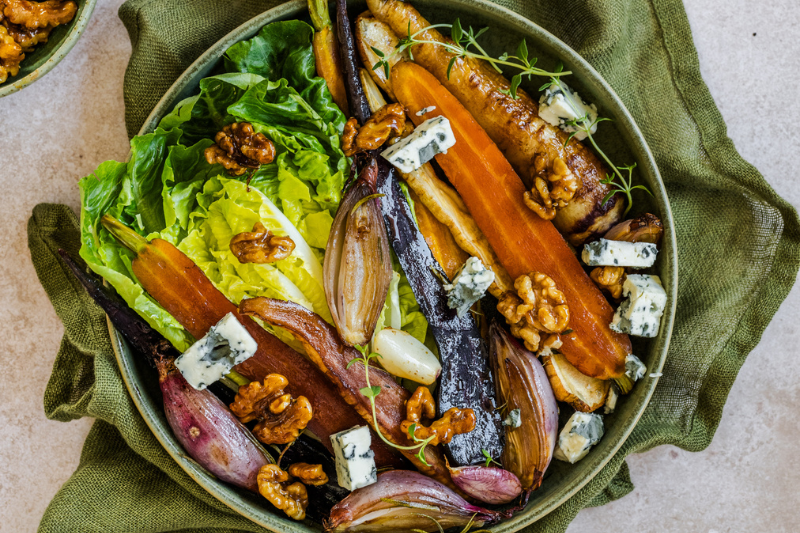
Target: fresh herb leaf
(370, 392)
(456, 32)
(522, 51)
(450, 65)
(489, 459)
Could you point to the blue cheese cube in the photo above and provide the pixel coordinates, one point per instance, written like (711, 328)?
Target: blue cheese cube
(561, 107)
(225, 345)
(582, 431)
(434, 136)
(604, 252)
(640, 314)
(469, 285)
(611, 400)
(355, 461)
(634, 368)
(514, 418)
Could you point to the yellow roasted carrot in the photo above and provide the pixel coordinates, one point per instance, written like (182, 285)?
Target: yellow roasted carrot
(326, 53)
(441, 242)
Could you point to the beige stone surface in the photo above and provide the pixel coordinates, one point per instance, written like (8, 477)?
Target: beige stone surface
(63, 126)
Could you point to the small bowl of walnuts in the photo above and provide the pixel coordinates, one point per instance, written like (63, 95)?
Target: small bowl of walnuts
(35, 36)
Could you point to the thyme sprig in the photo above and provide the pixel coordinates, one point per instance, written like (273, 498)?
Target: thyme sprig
(371, 392)
(465, 45)
(585, 124)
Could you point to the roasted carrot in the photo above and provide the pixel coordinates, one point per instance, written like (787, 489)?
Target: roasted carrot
(180, 287)
(523, 242)
(326, 53)
(441, 242)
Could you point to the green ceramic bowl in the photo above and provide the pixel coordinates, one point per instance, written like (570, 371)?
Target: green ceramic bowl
(622, 139)
(46, 56)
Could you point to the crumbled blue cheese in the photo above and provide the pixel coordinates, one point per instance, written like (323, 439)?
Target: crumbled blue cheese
(434, 136)
(640, 313)
(550, 345)
(513, 419)
(611, 399)
(634, 368)
(225, 345)
(355, 461)
(561, 106)
(604, 252)
(582, 431)
(469, 285)
(425, 110)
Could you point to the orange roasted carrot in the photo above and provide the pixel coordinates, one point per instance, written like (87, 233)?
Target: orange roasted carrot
(180, 287)
(523, 242)
(441, 242)
(326, 53)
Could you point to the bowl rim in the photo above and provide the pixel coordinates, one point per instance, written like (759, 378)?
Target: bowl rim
(76, 31)
(634, 140)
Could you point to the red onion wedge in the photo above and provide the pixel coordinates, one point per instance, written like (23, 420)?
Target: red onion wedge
(402, 500)
(208, 431)
(487, 484)
(522, 384)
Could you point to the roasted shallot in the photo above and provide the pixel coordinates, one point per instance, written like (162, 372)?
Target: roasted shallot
(358, 266)
(522, 384)
(402, 500)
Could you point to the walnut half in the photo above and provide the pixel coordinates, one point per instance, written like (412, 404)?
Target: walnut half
(454, 421)
(273, 484)
(538, 307)
(552, 189)
(281, 417)
(33, 15)
(387, 121)
(10, 55)
(260, 246)
(238, 147)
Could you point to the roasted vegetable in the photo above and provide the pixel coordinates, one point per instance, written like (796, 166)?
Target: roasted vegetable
(581, 392)
(487, 484)
(404, 356)
(441, 242)
(523, 242)
(358, 265)
(466, 379)
(646, 228)
(446, 207)
(513, 123)
(402, 501)
(371, 35)
(181, 288)
(209, 433)
(355, 92)
(331, 356)
(522, 384)
(326, 52)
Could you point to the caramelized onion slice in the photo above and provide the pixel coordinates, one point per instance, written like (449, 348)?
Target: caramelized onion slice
(522, 384)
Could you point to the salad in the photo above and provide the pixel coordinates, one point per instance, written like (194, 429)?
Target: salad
(367, 340)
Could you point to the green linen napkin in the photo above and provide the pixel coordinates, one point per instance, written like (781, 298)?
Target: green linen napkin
(738, 241)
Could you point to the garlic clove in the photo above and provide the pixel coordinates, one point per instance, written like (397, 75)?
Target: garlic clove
(404, 356)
